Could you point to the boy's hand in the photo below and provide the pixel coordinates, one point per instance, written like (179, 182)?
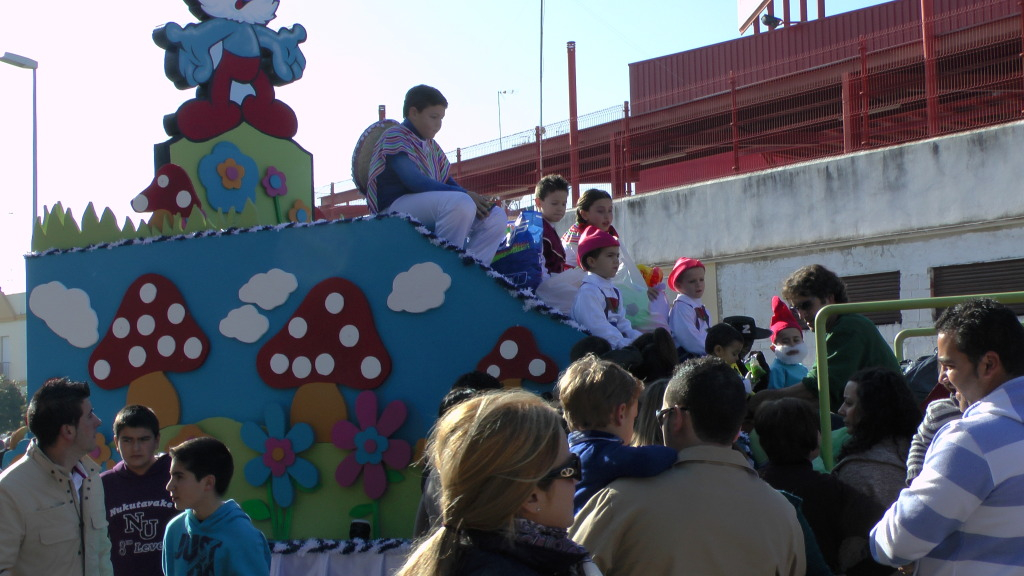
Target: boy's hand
(483, 205)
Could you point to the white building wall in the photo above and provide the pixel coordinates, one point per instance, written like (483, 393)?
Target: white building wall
(12, 325)
(946, 201)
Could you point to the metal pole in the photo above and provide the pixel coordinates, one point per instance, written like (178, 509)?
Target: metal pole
(24, 62)
(931, 82)
(499, 121)
(574, 127)
(35, 152)
(735, 123)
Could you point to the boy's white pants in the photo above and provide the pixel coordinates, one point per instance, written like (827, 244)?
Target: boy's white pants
(452, 216)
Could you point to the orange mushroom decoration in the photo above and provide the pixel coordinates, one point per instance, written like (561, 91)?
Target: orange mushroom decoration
(152, 333)
(515, 357)
(331, 339)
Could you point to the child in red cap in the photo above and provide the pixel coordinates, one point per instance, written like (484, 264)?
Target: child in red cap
(788, 345)
(598, 305)
(688, 320)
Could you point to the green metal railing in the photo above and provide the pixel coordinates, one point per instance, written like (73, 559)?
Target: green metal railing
(821, 353)
(902, 335)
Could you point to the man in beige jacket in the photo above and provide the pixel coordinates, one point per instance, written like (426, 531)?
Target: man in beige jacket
(51, 500)
(709, 513)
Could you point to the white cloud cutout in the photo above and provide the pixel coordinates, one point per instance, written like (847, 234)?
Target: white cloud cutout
(419, 289)
(66, 311)
(268, 290)
(245, 324)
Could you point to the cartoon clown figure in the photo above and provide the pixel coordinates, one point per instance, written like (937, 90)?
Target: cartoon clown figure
(222, 55)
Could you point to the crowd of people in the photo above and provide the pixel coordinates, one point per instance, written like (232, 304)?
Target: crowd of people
(711, 469)
(665, 449)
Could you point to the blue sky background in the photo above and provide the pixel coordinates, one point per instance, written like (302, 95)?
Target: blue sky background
(103, 94)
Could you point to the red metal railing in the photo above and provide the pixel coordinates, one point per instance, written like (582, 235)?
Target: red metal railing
(875, 91)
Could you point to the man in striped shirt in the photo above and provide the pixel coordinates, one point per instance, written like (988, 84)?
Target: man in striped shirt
(964, 514)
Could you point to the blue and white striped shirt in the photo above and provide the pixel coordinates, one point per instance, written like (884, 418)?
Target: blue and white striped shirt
(964, 514)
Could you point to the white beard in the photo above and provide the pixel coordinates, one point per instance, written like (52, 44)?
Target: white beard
(786, 355)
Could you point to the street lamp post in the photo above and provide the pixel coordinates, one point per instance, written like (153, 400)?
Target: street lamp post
(23, 62)
(500, 94)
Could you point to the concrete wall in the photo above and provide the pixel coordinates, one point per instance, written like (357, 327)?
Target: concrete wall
(12, 325)
(940, 202)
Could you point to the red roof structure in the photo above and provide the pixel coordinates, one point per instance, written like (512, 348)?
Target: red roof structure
(865, 79)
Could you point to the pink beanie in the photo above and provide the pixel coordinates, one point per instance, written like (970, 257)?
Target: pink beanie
(592, 239)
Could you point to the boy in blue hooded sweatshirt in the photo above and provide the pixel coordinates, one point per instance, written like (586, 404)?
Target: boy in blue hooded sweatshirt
(211, 535)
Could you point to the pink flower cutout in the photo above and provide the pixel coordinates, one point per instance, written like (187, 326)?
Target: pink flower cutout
(278, 455)
(370, 444)
(275, 182)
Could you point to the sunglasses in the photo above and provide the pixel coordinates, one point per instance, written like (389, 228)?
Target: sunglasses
(571, 469)
(804, 306)
(660, 415)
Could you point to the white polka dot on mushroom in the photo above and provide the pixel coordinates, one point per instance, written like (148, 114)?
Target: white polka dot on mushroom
(349, 336)
(324, 364)
(297, 327)
(279, 363)
(166, 345)
(162, 181)
(137, 356)
(101, 370)
(494, 371)
(121, 327)
(334, 302)
(193, 348)
(370, 367)
(175, 313)
(301, 367)
(147, 293)
(537, 367)
(508, 349)
(183, 199)
(145, 324)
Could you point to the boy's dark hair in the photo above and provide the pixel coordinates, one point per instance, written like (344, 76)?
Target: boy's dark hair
(983, 325)
(589, 345)
(422, 96)
(478, 381)
(787, 429)
(713, 395)
(56, 403)
(587, 200)
(814, 281)
(721, 334)
(551, 183)
(590, 389)
(595, 253)
(205, 456)
(136, 416)
(467, 386)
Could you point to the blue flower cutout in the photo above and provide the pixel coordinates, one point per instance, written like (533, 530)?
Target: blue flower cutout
(229, 176)
(279, 461)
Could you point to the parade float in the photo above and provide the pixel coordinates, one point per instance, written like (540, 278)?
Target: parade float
(317, 350)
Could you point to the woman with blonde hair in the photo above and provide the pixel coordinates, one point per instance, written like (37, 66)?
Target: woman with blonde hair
(507, 484)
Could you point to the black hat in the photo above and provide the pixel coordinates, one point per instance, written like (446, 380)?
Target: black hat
(747, 327)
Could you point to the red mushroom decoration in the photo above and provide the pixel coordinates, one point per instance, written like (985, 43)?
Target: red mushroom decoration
(515, 357)
(152, 333)
(330, 339)
(170, 193)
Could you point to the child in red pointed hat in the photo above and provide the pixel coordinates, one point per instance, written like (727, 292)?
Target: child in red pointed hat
(688, 320)
(598, 305)
(788, 345)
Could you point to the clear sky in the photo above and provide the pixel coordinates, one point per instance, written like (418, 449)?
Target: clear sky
(102, 93)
